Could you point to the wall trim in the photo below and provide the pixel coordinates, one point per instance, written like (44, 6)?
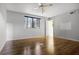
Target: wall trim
(67, 38)
(28, 38)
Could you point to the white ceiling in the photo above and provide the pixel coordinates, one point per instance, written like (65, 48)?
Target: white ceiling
(32, 8)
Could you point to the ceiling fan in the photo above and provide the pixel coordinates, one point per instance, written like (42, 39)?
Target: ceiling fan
(44, 6)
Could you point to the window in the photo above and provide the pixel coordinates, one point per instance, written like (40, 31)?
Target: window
(32, 22)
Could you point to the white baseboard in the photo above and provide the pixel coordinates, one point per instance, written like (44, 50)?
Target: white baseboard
(68, 38)
(26, 38)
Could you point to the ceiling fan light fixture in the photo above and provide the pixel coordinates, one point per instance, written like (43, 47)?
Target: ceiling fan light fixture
(45, 4)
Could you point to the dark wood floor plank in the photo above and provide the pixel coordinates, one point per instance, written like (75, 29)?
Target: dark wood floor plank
(62, 47)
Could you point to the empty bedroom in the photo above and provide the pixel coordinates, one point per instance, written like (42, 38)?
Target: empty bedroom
(39, 29)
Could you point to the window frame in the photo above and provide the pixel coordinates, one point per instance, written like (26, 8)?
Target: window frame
(26, 23)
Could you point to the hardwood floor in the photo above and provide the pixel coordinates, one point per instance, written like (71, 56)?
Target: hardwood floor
(36, 46)
(66, 47)
(24, 46)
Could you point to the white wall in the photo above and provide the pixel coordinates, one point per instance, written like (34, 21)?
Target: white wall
(19, 32)
(67, 25)
(2, 25)
(9, 30)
